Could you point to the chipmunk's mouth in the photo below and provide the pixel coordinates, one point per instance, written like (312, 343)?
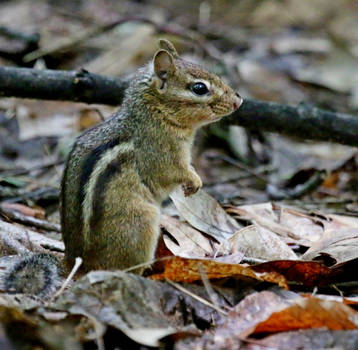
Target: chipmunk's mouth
(224, 109)
(238, 101)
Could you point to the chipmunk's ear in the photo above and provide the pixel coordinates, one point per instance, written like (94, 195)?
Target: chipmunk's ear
(163, 64)
(168, 46)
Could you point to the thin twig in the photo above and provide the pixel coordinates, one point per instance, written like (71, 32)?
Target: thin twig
(209, 289)
(339, 291)
(252, 261)
(15, 215)
(78, 263)
(196, 297)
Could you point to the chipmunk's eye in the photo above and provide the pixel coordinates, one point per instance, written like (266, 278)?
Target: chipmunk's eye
(199, 88)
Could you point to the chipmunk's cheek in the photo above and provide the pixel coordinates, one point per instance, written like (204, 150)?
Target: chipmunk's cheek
(204, 117)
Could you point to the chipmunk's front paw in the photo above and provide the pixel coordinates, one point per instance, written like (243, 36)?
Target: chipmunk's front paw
(192, 187)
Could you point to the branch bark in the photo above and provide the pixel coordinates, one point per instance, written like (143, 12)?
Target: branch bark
(78, 86)
(301, 121)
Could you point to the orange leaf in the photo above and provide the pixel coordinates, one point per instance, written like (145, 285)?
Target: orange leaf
(310, 313)
(188, 270)
(309, 273)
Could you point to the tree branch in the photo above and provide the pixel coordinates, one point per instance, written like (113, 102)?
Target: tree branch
(78, 86)
(301, 121)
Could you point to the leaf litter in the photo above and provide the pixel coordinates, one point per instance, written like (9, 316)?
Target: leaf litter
(246, 273)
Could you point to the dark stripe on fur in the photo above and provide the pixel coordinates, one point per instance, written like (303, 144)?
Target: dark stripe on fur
(112, 169)
(90, 163)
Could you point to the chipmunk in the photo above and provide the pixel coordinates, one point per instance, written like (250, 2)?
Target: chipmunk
(120, 171)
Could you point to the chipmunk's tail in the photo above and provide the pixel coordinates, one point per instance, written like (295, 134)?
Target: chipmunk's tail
(36, 274)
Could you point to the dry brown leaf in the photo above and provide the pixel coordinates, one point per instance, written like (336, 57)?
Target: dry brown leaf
(270, 312)
(37, 213)
(310, 313)
(258, 242)
(243, 319)
(204, 213)
(337, 222)
(189, 270)
(190, 242)
(291, 44)
(309, 273)
(339, 72)
(50, 116)
(339, 240)
(256, 308)
(341, 245)
(142, 309)
(28, 331)
(332, 235)
(88, 117)
(309, 339)
(18, 240)
(293, 225)
(234, 258)
(339, 299)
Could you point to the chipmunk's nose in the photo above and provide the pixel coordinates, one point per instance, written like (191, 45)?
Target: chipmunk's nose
(238, 101)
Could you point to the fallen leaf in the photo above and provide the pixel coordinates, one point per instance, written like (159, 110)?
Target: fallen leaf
(307, 313)
(189, 270)
(234, 258)
(340, 299)
(189, 242)
(309, 273)
(291, 224)
(337, 222)
(17, 239)
(143, 309)
(341, 245)
(286, 44)
(149, 336)
(24, 329)
(243, 319)
(205, 214)
(257, 242)
(271, 312)
(337, 72)
(308, 339)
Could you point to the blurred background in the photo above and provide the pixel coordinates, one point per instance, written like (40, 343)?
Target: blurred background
(293, 51)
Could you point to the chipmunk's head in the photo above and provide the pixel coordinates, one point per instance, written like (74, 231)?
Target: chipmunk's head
(188, 95)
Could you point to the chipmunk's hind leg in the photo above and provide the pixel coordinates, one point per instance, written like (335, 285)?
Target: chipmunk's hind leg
(127, 237)
(142, 237)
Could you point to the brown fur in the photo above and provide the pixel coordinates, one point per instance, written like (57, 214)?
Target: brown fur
(119, 172)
